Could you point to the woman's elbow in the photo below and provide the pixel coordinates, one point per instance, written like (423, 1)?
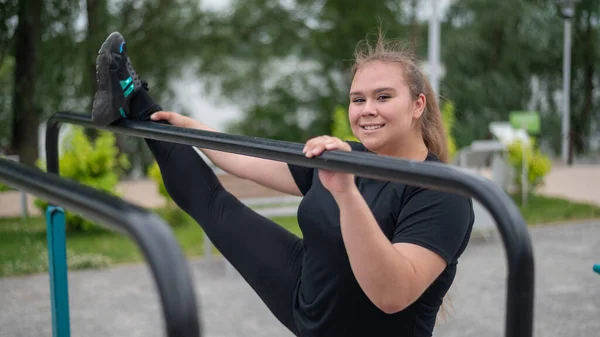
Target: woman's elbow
(391, 305)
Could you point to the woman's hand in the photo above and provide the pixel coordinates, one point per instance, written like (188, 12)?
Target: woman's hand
(335, 181)
(174, 119)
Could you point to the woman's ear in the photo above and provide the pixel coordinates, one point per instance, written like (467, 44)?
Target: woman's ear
(419, 106)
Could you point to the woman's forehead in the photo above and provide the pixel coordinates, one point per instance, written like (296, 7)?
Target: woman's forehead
(372, 77)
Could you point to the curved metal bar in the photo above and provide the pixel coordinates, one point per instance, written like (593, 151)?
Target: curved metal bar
(155, 238)
(511, 225)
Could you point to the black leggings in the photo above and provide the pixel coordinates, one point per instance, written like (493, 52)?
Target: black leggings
(267, 256)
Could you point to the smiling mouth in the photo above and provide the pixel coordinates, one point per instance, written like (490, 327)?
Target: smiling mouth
(372, 127)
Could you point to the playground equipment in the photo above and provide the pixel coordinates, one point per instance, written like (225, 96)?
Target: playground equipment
(512, 227)
(167, 264)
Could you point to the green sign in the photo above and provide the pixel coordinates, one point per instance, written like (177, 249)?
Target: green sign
(528, 120)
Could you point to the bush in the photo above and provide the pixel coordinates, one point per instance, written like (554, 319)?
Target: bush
(538, 164)
(341, 126)
(449, 118)
(4, 188)
(96, 164)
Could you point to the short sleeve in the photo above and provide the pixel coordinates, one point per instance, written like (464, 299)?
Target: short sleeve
(303, 176)
(438, 221)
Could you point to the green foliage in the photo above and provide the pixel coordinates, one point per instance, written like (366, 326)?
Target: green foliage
(96, 164)
(4, 188)
(6, 94)
(497, 53)
(341, 126)
(538, 164)
(449, 118)
(289, 62)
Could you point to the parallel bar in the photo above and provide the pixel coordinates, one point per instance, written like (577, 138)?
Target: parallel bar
(57, 268)
(566, 99)
(155, 238)
(512, 227)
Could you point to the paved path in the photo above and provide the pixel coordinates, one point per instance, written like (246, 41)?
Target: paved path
(579, 183)
(121, 301)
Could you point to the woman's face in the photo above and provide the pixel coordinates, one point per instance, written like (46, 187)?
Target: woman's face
(383, 111)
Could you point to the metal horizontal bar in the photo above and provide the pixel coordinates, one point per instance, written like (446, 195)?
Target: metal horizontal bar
(511, 225)
(167, 263)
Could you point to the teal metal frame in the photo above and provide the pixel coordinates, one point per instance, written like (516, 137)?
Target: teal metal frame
(57, 267)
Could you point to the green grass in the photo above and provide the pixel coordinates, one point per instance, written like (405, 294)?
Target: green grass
(542, 209)
(23, 248)
(23, 244)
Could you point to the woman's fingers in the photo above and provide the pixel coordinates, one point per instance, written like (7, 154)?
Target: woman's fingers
(161, 115)
(316, 146)
(172, 117)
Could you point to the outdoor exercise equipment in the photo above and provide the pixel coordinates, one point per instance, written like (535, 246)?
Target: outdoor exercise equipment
(512, 227)
(152, 235)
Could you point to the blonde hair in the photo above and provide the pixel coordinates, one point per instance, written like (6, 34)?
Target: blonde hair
(432, 126)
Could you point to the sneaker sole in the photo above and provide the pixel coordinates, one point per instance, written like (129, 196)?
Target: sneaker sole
(103, 112)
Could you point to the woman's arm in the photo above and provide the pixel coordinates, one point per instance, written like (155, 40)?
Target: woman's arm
(269, 173)
(392, 275)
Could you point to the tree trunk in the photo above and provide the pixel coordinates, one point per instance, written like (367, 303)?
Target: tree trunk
(25, 114)
(581, 123)
(96, 30)
(96, 33)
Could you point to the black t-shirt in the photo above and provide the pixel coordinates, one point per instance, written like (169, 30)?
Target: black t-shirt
(329, 301)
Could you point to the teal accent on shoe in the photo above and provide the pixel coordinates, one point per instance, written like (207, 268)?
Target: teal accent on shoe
(122, 112)
(121, 48)
(129, 90)
(125, 83)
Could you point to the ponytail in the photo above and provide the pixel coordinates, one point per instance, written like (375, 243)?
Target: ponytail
(432, 125)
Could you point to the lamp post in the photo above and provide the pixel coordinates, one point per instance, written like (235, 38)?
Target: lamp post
(434, 47)
(567, 11)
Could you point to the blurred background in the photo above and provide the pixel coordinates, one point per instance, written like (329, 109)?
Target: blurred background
(518, 84)
(278, 69)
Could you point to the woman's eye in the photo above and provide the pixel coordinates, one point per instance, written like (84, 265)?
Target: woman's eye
(358, 100)
(383, 97)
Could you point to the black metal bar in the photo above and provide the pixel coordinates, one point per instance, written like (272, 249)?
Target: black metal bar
(154, 237)
(512, 227)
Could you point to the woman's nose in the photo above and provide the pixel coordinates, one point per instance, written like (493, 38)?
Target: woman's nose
(369, 108)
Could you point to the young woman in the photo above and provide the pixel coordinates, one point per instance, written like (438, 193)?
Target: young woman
(376, 257)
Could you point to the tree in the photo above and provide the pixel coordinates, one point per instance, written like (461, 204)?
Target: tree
(8, 11)
(506, 55)
(26, 112)
(289, 63)
(163, 39)
(586, 53)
